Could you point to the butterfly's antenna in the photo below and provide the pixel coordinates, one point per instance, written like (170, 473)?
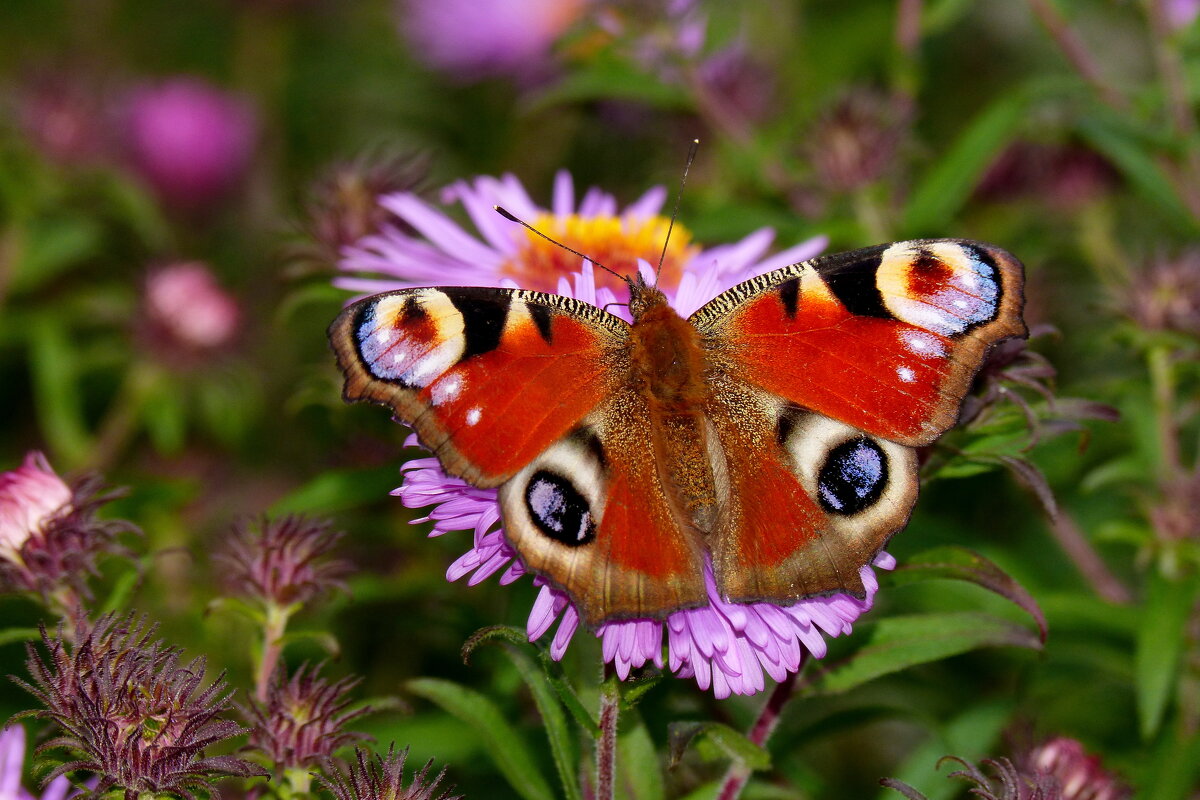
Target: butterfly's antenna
(504, 213)
(675, 211)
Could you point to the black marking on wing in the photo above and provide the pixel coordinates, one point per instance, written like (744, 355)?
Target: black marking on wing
(856, 287)
(542, 317)
(483, 320)
(788, 418)
(789, 293)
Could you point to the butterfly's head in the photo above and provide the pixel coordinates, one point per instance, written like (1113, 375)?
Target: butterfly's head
(644, 297)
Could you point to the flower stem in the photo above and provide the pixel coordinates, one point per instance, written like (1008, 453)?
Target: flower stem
(606, 742)
(1162, 382)
(1077, 53)
(738, 774)
(273, 629)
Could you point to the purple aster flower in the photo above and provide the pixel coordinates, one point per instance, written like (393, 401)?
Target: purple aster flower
(12, 759)
(728, 647)
(376, 777)
(191, 141)
(504, 254)
(472, 39)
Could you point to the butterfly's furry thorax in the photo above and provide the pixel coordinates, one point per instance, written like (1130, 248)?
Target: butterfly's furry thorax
(666, 356)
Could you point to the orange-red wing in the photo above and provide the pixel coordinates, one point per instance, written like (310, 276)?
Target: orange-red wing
(488, 378)
(885, 339)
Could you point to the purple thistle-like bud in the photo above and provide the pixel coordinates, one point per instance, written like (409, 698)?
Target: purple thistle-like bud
(50, 538)
(130, 712)
(1058, 769)
(281, 562)
(303, 720)
(1165, 296)
(376, 777)
(344, 204)
(856, 141)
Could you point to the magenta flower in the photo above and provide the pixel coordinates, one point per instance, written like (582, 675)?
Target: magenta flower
(30, 497)
(473, 39)
(728, 647)
(12, 759)
(187, 313)
(190, 141)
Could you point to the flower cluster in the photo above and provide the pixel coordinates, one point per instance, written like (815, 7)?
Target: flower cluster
(130, 712)
(50, 538)
(303, 719)
(728, 647)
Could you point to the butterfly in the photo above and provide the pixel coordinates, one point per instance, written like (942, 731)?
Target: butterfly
(771, 434)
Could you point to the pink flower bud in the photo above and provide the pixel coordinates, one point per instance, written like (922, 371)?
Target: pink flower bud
(30, 495)
(190, 141)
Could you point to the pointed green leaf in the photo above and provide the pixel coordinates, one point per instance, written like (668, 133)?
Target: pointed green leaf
(563, 747)
(503, 744)
(56, 389)
(1159, 647)
(637, 761)
(9, 635)
(337, 490)
(959, 563)
(896, 643)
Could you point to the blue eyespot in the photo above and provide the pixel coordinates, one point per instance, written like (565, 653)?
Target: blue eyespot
(853, 477)
(558, 509)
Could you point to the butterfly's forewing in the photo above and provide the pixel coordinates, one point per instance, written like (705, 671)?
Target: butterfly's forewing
(886, 339)
(825, 375)
(488, 378)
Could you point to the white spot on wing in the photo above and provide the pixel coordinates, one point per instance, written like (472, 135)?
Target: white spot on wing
(446, 389)
(922, 344)
(906, 374)
(473, 416)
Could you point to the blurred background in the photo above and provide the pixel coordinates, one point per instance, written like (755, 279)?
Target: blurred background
(179, 180)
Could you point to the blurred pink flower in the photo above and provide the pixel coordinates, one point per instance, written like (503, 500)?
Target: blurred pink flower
(30, 496)
(1079, 776)
(472, 39)
(1180, 13)
(65, 115)
(12, 760)
(191, 141)
(187, 310)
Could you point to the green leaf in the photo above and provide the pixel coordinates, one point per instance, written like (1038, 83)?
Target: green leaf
(563, 747)
(53, 246)
(56, 389)
(503, 744)
(948, 184)
(323, 639)
(10, 635)
(606, 79)
(1173, 771)
(897, 643)
(732, 743)
(637, 761)
(1159, 646)
(338, 490)
(959, 563)
(1117, 140)
(122, 588)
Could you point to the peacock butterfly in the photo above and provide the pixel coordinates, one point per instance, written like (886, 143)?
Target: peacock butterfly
(772, 432)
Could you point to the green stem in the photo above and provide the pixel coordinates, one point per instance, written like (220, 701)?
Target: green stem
(1162, 381)
(120, 421)
(273, 630)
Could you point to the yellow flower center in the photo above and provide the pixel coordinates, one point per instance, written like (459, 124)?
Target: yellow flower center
(615, 242)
